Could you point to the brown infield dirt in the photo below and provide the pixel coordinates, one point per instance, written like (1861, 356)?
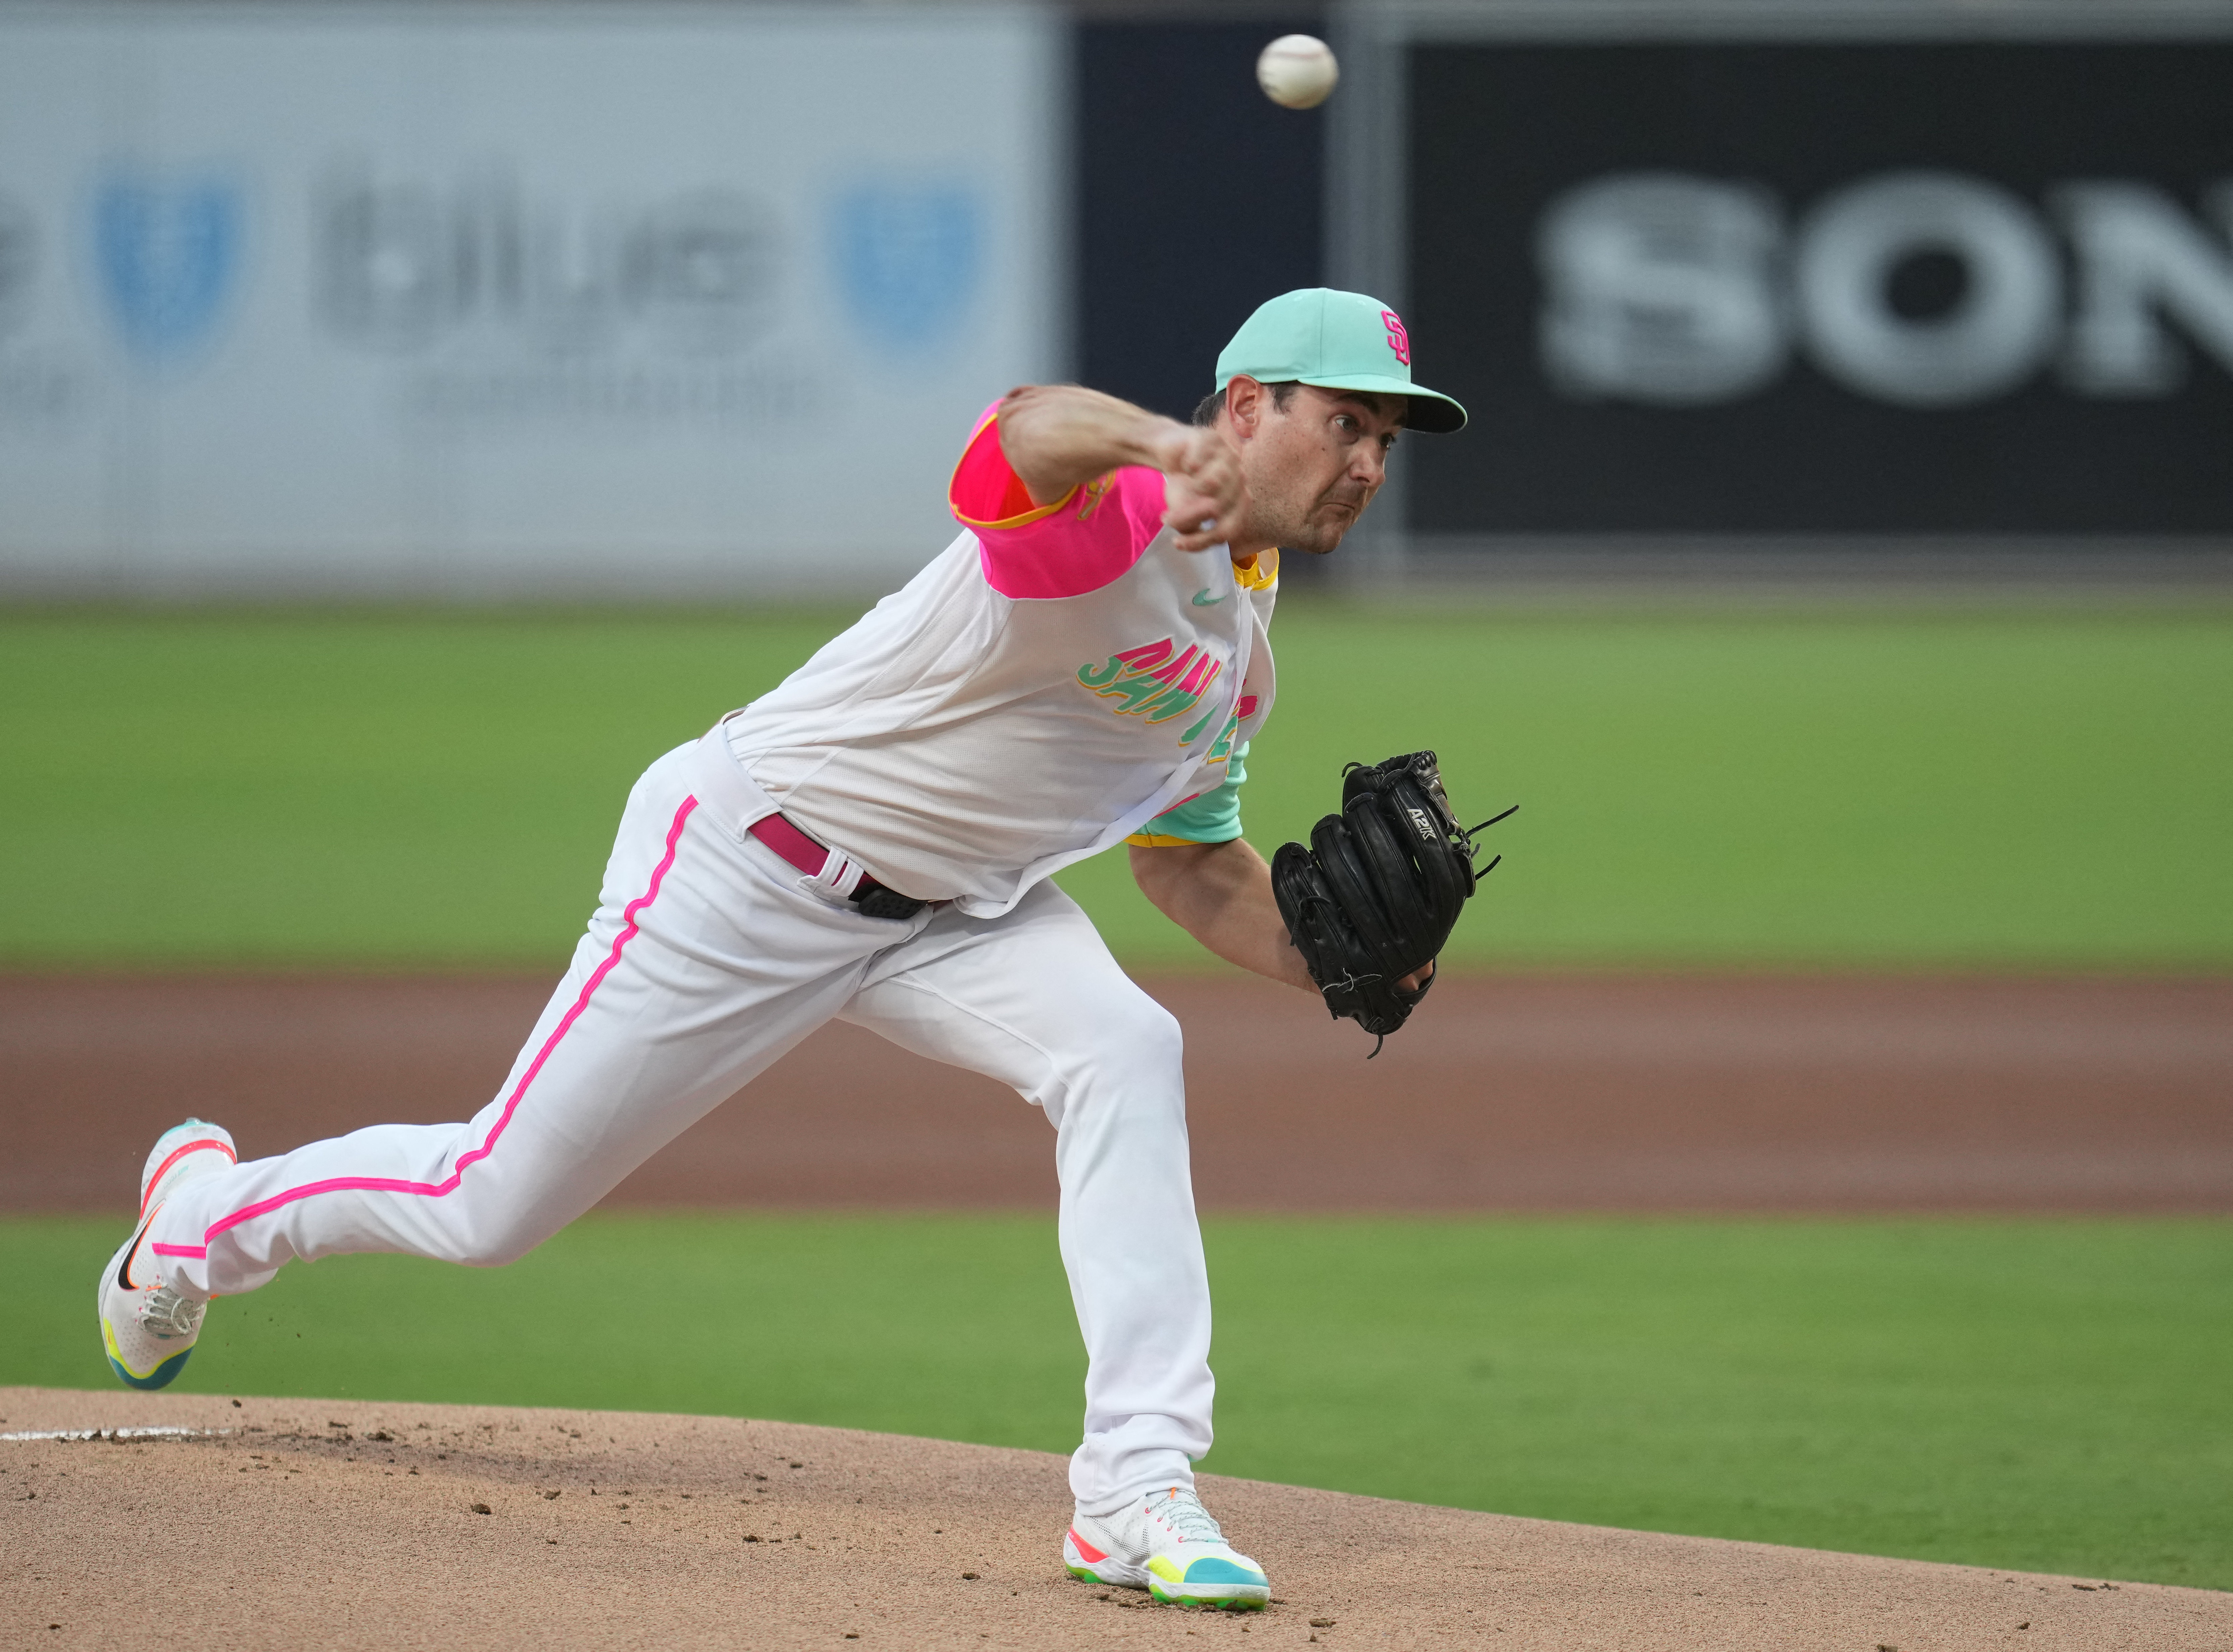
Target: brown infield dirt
(342, 1525)
(1535, 1093)
(339, 1524)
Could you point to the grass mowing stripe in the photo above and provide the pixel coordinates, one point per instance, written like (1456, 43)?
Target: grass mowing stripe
(2035, 791)
(2039, 1394)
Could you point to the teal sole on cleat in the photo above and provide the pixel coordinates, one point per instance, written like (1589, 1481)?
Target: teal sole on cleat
(1204, 1603)
(160, 1377)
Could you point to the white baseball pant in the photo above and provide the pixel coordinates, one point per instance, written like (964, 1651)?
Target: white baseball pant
(708, 958)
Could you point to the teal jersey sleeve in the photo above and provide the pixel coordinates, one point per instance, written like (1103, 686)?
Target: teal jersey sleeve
(1213, 817)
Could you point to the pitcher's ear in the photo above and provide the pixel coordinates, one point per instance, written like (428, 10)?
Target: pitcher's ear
(1244, 401)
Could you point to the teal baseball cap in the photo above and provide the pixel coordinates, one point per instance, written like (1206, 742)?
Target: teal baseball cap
(1336, 341)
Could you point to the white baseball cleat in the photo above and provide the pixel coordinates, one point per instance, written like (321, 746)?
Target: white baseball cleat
(1167, 1544)
(147, 1328)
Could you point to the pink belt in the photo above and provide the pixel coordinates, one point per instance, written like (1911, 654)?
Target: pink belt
(874, 900)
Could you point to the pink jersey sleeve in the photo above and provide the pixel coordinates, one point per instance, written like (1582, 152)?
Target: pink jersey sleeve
(1091, 536)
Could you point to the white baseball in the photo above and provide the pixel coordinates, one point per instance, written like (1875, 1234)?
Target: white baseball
(1297, 71)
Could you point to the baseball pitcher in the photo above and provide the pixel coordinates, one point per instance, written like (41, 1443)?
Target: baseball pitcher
(873, 841)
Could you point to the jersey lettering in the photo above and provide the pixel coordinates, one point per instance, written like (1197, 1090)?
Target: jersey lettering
(1151, 683)
(1223, 748)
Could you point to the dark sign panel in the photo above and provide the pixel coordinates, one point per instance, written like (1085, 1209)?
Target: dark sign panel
(1834, 289)
(1157, 102)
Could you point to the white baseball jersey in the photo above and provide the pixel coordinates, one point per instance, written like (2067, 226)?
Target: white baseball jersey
(1057, 678)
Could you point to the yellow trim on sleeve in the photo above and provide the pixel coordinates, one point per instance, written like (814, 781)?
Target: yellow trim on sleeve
(1260, 573)
(1159, 840)
(1038, 514)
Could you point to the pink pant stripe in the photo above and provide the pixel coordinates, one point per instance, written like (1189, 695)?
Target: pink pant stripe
(449, 1184)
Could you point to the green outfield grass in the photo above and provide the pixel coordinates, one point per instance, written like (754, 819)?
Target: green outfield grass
(2048, 1395)
(2046, 789)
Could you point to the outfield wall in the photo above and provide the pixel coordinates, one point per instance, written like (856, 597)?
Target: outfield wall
(398, 297)
(1904, 281)
(512, 297)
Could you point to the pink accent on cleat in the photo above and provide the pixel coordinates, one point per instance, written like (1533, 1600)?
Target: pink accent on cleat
(176, 1158)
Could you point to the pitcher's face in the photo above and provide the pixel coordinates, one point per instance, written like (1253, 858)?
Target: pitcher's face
(1313, 465)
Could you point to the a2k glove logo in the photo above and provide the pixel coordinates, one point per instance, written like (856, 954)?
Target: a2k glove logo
(1155, 681)
(166, 252)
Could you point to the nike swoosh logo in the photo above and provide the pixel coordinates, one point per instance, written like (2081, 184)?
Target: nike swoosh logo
(124, 1267)
(1202, 599)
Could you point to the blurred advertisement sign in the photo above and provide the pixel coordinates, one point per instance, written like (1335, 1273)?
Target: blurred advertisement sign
(1816, 285)
(512, 298)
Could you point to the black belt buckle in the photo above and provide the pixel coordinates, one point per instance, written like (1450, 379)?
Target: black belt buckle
(877, 901)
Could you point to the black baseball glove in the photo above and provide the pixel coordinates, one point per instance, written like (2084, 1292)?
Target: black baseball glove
(1376, 893)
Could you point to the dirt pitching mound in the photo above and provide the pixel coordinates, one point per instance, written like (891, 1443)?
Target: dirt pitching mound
(343, 1524)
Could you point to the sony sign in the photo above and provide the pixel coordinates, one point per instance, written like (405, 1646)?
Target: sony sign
(1680, 291)
(1834, 289)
